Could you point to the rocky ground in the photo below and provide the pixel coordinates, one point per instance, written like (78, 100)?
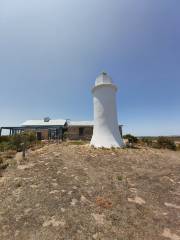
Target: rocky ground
(73, 192)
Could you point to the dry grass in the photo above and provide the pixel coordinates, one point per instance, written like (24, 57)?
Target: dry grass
(75, 192)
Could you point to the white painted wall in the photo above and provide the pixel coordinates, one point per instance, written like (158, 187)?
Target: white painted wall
(106, 129)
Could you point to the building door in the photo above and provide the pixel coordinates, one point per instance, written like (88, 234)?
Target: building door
(81, 131)
(39, 136)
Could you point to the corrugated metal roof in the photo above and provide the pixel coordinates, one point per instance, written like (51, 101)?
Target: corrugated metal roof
(58, 122)
(81, 123)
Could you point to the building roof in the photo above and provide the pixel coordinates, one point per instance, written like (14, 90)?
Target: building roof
(57, 122)
(42, 122)
(81, 123)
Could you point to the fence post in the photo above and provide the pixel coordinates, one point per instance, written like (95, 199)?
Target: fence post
(24, 147)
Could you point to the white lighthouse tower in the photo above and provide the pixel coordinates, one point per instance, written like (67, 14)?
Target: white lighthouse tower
(106, 129)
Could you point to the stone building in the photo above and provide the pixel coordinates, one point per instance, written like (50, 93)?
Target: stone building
(79, 130)
(47, 129)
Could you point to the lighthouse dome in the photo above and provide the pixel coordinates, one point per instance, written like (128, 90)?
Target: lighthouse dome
(103, 78)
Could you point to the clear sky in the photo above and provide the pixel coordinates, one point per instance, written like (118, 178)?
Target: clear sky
(52, 50)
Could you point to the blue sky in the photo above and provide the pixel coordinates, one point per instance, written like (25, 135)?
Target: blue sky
(51, 52)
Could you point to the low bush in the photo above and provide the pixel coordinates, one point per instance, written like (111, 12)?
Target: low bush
(4, 146)
(165, 142)
(147, 141)
(4, 139)
(131, 139)
(28, 138)
(31, 137)
(16, 142)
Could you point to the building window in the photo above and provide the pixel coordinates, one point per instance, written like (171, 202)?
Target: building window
(81, 131)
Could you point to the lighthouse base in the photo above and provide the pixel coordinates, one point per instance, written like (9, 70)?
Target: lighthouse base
(99, 142)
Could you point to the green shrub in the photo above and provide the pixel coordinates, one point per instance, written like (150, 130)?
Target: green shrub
(17, 141)
(131, 138)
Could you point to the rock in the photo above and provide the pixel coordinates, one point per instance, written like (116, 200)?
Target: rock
(99, 218)
(96, 236)
(26, 211)
(3, 179)
(84, 199)
(167, 234)
(73, 202)
(18, 157)
(53, 222)
(54, 192)
(171, 205)
(137, 200)
(27, 166)
(133, 190)
(33, 186)
(17, 232)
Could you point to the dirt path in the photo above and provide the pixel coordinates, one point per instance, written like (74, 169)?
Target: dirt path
(77, 193)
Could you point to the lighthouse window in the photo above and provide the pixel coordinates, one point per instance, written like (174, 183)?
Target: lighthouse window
(81, 131)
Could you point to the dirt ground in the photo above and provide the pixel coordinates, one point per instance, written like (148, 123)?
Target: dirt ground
(74, 192)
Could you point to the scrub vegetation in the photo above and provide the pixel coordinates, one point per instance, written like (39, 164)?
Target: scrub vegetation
(154, 142)
(16, 142)
(10, 145)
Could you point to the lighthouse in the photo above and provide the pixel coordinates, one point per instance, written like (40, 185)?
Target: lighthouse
(106, 128)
